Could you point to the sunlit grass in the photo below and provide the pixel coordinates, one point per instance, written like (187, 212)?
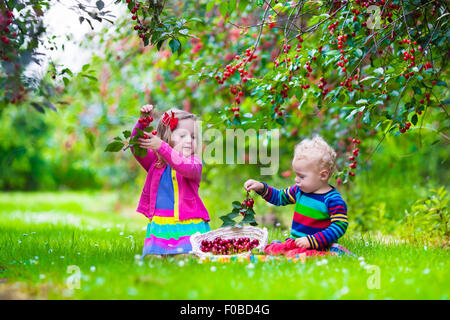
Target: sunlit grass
(43, 234)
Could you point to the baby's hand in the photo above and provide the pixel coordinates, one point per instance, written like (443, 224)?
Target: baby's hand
(253, 185)
(302, 243)
(147, 109)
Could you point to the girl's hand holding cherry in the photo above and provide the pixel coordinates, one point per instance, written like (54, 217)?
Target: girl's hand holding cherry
(148, 141)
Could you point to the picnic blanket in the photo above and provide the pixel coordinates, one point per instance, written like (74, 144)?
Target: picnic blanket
(334, 250)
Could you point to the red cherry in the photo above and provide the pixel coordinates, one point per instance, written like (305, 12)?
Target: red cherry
(154, 132)
(145, 136)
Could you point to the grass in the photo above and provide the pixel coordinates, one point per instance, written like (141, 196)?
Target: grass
(43, 234)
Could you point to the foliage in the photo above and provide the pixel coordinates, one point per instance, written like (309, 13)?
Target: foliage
(22, 34)
(104, 98)
(428, 219)
(245, 209)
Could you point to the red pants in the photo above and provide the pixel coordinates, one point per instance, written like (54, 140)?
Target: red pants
(290, 249)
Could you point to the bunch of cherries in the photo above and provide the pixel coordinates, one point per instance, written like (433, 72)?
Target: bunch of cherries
(353, 157)
(146, 119)
(229, 246)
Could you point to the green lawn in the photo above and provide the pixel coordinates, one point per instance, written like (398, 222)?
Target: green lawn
(46, 237)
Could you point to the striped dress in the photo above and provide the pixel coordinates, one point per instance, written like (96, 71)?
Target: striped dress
(321, 218)
(166, 234)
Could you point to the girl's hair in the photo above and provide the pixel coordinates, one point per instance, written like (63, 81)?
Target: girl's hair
(165, 133)
(318, 150)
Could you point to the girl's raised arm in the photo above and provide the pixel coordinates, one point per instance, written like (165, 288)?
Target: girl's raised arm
(151, 155)
(190, 168)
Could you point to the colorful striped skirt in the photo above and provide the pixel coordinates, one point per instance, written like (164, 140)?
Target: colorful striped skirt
(166, 236)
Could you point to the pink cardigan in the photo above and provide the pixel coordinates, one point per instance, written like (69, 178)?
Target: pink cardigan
(188, 173)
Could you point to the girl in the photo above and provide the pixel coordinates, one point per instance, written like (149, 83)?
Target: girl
(170, 195)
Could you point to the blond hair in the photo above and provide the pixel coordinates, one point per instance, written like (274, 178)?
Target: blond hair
(165, 133)
(318, 150)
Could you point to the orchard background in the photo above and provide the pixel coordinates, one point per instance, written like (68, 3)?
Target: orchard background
(369, 76)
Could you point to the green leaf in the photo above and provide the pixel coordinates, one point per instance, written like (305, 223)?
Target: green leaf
(114, 146)
(50, 105)
(126, 134)
(223, 8)
(68, 71)
(227, 222)
(90, 77)
(209, 6)
(366, 118)
(85, 67)
(100, 5)
(379, 70)
(90, 138)
(417, 90)
(232, 5)
(134, 140)
(233, 215)
(280, 121)
(414, 119)
(140, 152)
(237, 204)
(38, 107)
(248, 218)
(361, 101)
(175, 45)
(242, 5)
(66, 81)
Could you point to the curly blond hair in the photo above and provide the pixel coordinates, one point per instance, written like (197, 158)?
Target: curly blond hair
(318, 150)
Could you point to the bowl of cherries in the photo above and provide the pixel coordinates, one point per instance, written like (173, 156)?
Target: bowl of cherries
(220, 246)
(229, 242)
(238, 235)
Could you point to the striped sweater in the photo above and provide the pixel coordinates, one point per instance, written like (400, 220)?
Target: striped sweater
(321, 218)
